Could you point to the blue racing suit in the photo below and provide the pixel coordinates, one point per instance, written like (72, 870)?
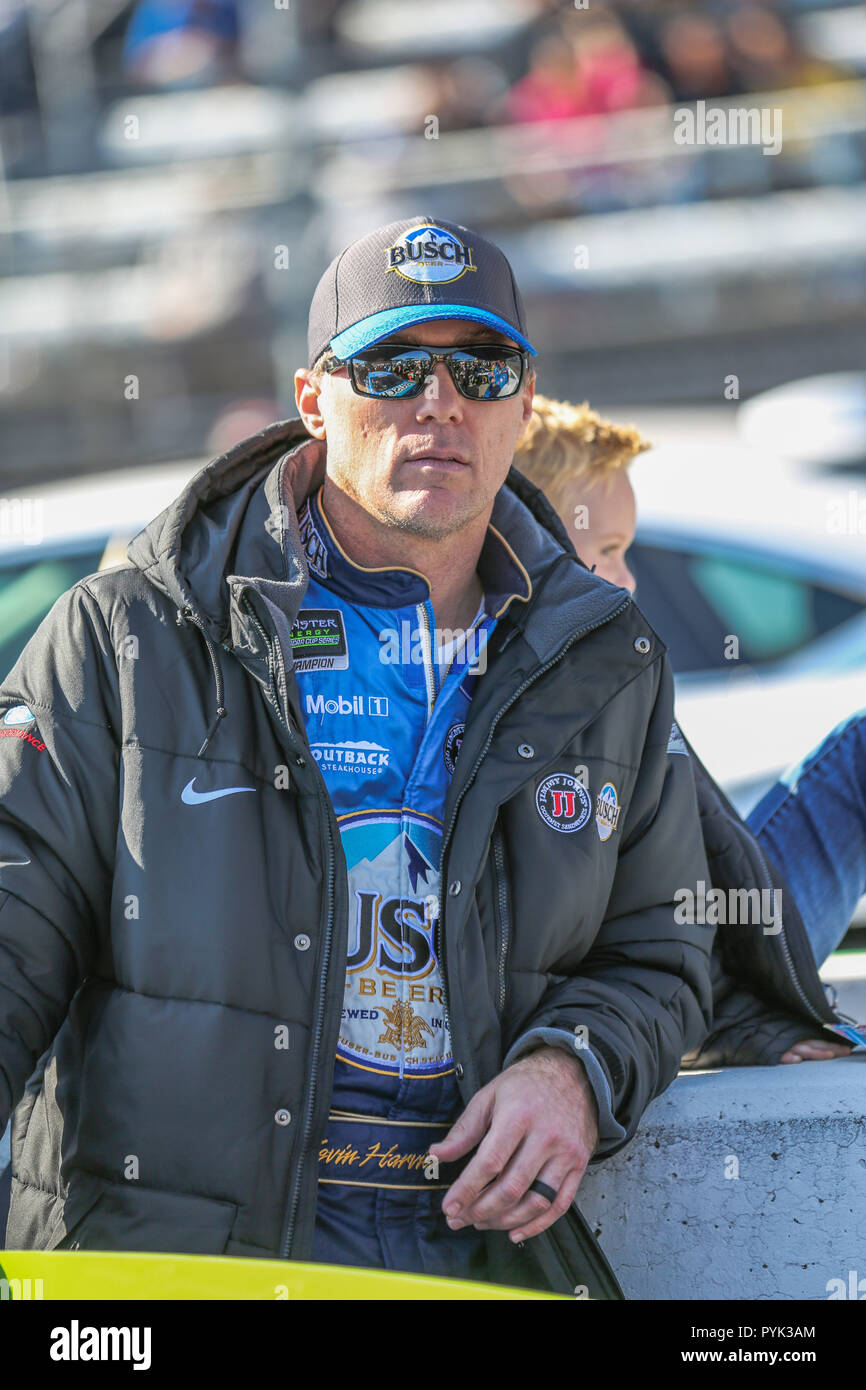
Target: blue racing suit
(385, 707)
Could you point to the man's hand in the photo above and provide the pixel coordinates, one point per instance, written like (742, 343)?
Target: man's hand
(815, 1050)
(537, 1120)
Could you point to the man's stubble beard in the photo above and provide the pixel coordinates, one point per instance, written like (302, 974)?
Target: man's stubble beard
(382, 509)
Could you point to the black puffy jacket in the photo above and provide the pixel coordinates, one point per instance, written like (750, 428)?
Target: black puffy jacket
(149, 949)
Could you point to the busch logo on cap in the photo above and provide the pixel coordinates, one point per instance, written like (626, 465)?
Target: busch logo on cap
(429, 255)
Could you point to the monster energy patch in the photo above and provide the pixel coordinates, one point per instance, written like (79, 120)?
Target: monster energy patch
(319, 640)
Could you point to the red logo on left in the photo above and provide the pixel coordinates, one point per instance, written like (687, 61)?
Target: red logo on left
(26, 735)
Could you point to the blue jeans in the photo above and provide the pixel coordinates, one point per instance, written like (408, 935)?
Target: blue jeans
(813, 825)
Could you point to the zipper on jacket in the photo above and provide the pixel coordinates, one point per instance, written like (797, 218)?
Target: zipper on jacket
(503, 709)
(294, 1195)
(429, 659)
(502, 908)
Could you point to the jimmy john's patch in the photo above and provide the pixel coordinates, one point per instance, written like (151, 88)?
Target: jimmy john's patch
(319, 640)
(563, 803)
(607, 809)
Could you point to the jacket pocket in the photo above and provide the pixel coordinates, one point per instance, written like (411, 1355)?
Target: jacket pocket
(106, 1215)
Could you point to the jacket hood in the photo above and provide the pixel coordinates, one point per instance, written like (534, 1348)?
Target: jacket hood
(191, 548)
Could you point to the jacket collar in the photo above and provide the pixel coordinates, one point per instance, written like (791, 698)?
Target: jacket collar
(502, 575)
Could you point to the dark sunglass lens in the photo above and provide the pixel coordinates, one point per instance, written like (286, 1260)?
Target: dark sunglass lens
(487, 374)
(390, 374)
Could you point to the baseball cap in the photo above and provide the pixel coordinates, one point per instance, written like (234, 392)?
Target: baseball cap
(409, 272)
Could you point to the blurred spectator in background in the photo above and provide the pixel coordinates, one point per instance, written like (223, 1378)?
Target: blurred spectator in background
(549, 90)
(588, 67)
(176, 43)
(694, 58)
(463, 91)
(752, 49)
(608, 69)
(767, 55)
(240, 420)
(17, 83)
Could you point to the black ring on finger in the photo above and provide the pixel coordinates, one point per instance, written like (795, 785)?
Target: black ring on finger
(544, 1190)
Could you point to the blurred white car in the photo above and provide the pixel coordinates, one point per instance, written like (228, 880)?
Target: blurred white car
(817, 420)
(51, 536)
(754, 573)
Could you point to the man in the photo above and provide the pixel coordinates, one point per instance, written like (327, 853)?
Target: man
(341, 830)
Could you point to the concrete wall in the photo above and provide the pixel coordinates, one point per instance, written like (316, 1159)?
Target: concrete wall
(747, 1183)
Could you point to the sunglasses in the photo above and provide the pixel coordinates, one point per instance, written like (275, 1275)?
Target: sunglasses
(486, 372)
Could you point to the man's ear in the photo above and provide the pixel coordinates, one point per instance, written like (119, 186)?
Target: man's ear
(308, 388)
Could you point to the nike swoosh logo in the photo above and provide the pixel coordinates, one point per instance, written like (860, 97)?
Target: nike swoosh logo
(193, 798)
(11, 863)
